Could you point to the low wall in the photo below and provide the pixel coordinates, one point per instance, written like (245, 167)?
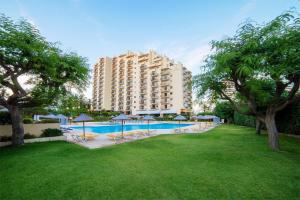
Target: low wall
(32, 129)
(44, 139)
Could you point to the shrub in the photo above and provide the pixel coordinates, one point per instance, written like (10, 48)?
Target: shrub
(29, 136)
(48, 121)
(5, 118)
(51, 132)
(244, 120)
(5, 138)
(206, 113)
(102, 118)
(27, 121)
(225, 111)
(288, 120)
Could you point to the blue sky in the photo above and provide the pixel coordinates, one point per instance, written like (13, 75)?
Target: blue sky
(181, 29)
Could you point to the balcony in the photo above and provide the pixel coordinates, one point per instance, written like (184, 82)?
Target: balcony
(154, 106)
(143, 67)
(165, 83)
(142, 102)
(143, 72)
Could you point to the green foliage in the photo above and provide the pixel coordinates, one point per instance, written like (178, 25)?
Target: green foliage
(106, 113)
(5, 138)
(244, 120)
(27, 121)
(167, 117)
(206, 113)
(70, 104)
(221, 164)
(224, 110)
(30, 111)
(102, 118)
(5, 118)
(288, 120)
(45, 121)
(103, 115)
(51, 132)
(23, 50)
(29, 136)
(261, 61)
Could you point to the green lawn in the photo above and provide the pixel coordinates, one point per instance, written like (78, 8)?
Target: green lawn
(229, 162)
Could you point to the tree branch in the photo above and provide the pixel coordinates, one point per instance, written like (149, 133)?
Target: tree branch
(3, 102)
(292, 97)
(237, 108)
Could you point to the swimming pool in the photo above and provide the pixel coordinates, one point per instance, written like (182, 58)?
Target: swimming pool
(128, 127)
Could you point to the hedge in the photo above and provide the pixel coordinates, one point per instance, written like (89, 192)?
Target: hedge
(5, 118)
(243, 120)
(51, 132)
(287, 120)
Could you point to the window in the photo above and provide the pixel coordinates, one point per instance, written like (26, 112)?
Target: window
(166, 94)
(166, 106)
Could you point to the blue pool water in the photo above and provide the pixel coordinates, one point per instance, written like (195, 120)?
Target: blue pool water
(128, 127)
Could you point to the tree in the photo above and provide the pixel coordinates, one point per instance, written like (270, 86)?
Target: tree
(71, 104)
(224, 110)
(262, 62)
(24, 53)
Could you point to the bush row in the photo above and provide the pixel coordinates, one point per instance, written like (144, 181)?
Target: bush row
(287, 120)
(49, 132)
(5, 119)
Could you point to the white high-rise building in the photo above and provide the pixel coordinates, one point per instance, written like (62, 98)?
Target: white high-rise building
(137, 84)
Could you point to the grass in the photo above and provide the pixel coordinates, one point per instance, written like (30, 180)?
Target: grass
(229, 162)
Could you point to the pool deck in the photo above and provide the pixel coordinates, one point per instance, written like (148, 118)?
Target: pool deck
(102, 140)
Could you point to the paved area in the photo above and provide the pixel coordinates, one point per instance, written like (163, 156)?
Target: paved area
(102, 140)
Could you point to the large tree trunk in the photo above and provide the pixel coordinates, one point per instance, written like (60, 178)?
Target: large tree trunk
(17, 126)
(258, 126)
(272, 131)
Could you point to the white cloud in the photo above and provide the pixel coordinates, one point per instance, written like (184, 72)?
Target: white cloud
(245, 10)
(191, 54)
(25, 14)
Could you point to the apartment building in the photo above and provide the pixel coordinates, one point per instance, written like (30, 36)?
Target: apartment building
(141, 83)
(230, 89)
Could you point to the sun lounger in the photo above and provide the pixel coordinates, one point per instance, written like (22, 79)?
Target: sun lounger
(177, 130)
(185, 130)
(88, 136)
(152, 132)
(141, 133)
(131, 135)
(115, 137)
(65, 130)
(77, 138)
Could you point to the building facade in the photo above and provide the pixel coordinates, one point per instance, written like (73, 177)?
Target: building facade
(141, 83)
